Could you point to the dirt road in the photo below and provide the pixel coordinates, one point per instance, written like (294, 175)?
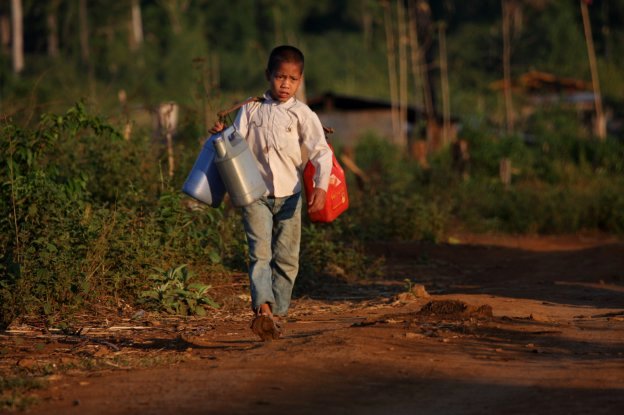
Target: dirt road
(506, 325)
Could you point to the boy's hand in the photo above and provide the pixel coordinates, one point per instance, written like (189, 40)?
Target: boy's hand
(219, 126)
(317, 200)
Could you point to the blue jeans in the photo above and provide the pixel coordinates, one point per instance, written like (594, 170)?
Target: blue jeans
(273, 228)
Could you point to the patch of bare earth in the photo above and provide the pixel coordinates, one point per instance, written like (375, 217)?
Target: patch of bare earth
(489, 325)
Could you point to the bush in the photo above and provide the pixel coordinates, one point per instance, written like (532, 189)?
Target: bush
(82, 220)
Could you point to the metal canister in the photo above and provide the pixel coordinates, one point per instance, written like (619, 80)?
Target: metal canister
(238, 168)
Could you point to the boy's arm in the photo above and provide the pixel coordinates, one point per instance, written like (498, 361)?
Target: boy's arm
(321, 157)
(317, 200)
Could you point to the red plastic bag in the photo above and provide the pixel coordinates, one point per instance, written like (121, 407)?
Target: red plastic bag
(337, 199)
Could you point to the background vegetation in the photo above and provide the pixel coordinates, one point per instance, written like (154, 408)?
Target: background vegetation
(87, 214)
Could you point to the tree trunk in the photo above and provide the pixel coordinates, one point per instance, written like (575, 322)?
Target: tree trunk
(506, 67)
(390, 54)
(367, 25)
(418, 66)
(52, 23)
(402, 41)
(84, 31)
(5, 33)
(137, 26)
(446, 99)
(420, 61)
(18, 35)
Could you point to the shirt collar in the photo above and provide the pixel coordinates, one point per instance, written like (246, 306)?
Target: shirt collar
(270, 100)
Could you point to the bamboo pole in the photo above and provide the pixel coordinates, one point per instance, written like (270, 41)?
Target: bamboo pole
(390, 54)
(506, 66)
(600, 126)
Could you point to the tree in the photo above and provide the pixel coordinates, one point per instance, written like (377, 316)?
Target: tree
(52, 26)
(137, 26)
(17, 20)
(507, 8)
(600, 125)
(84, 30)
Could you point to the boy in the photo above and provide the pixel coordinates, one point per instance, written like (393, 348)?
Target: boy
(277, 129)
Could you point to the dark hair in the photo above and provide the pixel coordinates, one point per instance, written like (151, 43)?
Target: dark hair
(284, 53)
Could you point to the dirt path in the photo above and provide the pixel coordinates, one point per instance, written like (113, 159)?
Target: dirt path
(553, 344)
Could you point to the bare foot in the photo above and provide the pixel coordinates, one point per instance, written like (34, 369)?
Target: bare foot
(264, 324)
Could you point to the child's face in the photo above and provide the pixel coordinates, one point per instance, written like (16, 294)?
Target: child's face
(285, 81)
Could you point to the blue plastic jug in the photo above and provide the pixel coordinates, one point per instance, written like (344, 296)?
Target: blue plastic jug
(204, 182)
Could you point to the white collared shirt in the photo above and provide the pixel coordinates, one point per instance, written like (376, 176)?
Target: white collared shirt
(282, 136)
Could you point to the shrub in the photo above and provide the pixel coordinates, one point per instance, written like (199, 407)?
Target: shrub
(173, 292)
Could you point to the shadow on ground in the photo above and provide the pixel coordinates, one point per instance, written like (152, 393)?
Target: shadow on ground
(586, 276)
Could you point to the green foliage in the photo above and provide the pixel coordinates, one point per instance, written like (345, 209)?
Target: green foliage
(561, 183)
(393, 206)
(84, 217)
(173, 292)
(344, 42)
(42, 226)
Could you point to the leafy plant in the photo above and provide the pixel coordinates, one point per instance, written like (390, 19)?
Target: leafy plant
(173, 292)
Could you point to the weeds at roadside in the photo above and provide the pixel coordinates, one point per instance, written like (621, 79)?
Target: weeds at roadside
(173, 292)
(14, 391)
(88, 216)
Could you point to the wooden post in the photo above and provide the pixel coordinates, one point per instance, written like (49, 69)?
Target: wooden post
(600, 126)
(506, 15)
(168, 120)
